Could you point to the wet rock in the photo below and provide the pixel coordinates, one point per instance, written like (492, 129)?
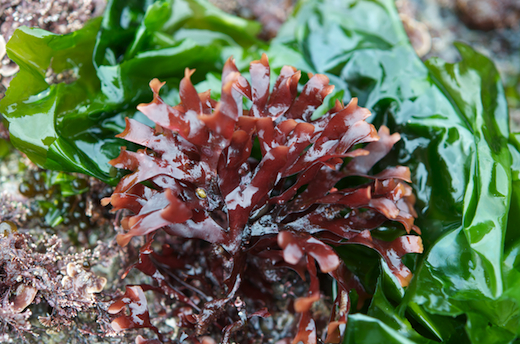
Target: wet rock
(489, 14)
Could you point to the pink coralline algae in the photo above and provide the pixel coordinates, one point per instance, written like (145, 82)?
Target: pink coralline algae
(33, 274)
(265, 187)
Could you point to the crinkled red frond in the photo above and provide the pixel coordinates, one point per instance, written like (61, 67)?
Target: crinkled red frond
(197, 178)
(132, 309)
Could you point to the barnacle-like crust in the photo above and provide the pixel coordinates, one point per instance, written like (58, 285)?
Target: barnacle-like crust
(202, 147)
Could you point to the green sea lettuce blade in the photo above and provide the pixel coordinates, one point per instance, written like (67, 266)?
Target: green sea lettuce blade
(454, 126)
(71, 126)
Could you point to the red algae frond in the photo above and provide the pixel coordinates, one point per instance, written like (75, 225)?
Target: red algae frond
(197, 179)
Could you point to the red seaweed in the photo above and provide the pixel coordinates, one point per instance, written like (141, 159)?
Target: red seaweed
(198, 179)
